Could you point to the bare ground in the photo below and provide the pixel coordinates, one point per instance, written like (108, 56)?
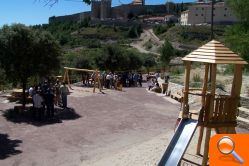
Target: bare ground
(104, 125)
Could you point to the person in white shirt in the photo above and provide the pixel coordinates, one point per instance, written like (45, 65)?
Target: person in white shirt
(108, 80)
(38, 104)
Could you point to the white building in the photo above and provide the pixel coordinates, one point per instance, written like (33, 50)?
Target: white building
(201, 14)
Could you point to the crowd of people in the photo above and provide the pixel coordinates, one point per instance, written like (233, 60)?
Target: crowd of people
(112, 80)
(45, 96)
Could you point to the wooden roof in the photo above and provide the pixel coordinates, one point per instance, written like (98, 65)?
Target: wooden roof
(214, 52)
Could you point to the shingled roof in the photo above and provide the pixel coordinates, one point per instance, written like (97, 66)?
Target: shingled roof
(214, 52)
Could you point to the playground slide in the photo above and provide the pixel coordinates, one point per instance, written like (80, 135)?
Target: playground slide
(179, 143)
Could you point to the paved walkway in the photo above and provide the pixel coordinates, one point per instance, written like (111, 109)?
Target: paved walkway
(101, 126)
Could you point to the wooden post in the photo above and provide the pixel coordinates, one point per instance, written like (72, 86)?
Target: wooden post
(68, 80)
(235, 92)
(208, 131)
(185, 113)
(95, 80)
(65, 76)
(204, 91)
(99, 82)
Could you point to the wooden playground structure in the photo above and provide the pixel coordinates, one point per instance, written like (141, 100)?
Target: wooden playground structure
(217, 111)
(96, 79)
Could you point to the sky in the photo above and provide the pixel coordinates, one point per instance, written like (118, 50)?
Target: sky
(32, 12)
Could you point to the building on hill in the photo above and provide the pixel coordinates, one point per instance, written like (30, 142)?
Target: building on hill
(102, 10)
(200, 13)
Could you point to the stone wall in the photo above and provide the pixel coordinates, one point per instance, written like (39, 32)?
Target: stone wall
(115, 12)
(74, 17)
(123, 10)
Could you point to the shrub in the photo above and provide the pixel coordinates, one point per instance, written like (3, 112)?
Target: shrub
(229, 69)
(148, 45)
(197, 78)
(177, 71)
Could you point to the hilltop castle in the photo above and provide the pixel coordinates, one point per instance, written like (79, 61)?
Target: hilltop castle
(102, 10)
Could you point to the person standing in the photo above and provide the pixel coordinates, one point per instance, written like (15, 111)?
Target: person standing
(108, 80)
(64, 92)
(57, 93)
(140, 79)
(38, 104)
(49, 101)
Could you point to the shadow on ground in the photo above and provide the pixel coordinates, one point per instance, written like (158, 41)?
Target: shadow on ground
(25, 116)
(8, 146)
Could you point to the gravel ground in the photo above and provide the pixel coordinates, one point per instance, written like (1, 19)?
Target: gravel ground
(102, 125)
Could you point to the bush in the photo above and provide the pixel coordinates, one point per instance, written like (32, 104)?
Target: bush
(160, 29)
(229, 69)
(196, 78)
(177, 71)
(148, 45)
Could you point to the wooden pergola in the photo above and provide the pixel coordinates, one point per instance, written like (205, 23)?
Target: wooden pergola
(97, 83)
(218, 111)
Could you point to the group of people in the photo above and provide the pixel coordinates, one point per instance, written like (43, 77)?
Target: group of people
(152, 82)
(112, 80)
(127, 79)
(45, 96)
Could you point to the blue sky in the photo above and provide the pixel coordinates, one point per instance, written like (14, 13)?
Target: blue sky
(31, 12)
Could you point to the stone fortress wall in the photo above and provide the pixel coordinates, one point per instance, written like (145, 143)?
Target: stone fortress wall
(101, 10)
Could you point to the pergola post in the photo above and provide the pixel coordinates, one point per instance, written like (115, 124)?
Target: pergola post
(208, 130)
(65, 76)
(186, 90)
(235, 92)
(204, 91)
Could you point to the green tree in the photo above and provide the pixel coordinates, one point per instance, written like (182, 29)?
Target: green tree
(237, 38)
(241, 8)
(116, 58)
(134, 62)
(112, 59)
(149, 61)
(132, 32)
(25, 53)
(167, 52)
(83, 62)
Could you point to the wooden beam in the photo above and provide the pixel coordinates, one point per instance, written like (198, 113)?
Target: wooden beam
(204, 91)
(76, 69)
(186, 90)
(235, 92)
(65, 76)
(68, 80)
(208, 131)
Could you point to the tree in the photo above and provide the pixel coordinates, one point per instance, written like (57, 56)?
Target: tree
(237, 36)
(52, 2)
(83, 62)
(149, 61)
(241, 8)
(167, 52)
(116, 58)
(25, 53)
(112, 59)
(134, 62)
